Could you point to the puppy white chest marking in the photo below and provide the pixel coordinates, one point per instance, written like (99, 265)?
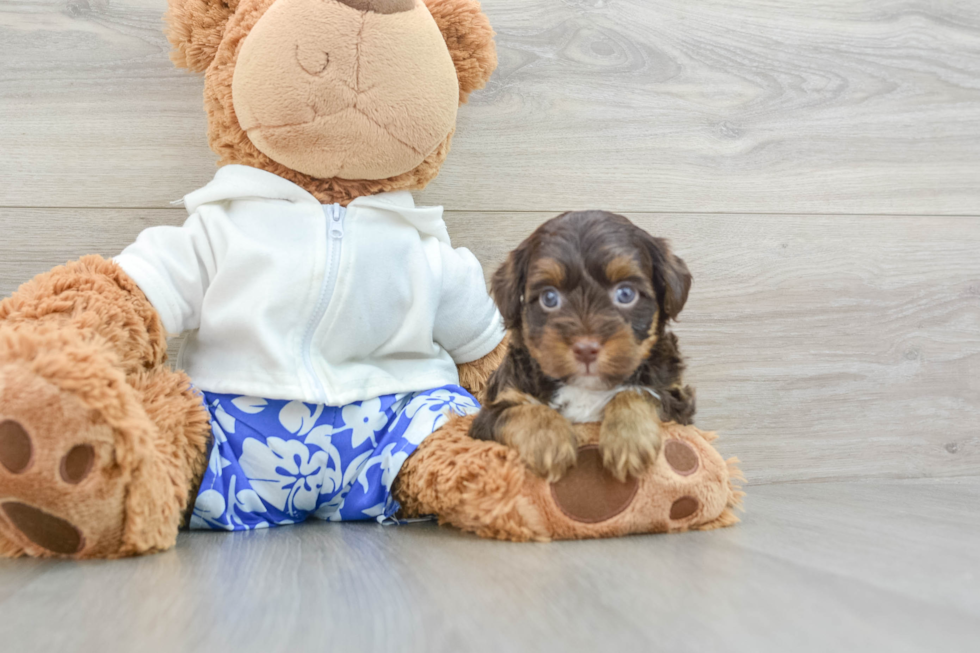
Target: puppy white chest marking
(579, 404)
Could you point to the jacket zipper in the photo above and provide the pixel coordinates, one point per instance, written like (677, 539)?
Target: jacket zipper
(335, 214)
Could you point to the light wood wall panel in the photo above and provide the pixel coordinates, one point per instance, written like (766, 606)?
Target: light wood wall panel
(733, 106)
(822, 347)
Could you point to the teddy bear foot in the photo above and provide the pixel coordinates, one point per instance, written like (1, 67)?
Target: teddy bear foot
(61, 489)
(484, 487)
(93, 464)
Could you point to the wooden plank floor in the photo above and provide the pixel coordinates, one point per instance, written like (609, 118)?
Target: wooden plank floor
(817, 164)
(882, 565)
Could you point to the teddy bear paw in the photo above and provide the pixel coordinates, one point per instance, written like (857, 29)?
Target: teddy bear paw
(61, 492)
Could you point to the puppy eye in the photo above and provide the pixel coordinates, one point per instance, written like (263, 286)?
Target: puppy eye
(550, 299)
(625, 295)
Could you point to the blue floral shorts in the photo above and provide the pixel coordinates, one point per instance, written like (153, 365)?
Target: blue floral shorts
(279, 462)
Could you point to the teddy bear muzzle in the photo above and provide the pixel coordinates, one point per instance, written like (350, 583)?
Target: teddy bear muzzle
(355, 89)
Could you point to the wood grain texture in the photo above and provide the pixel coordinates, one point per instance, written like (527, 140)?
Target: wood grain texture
(813, 567)
(842, 348)
(731, 106)
(822, 347)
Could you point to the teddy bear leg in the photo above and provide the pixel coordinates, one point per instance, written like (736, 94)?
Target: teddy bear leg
(475, 485)
(98, 440)
(483, 487)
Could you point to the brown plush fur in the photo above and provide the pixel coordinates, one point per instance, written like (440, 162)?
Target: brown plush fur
(200, 35)
(470, 39)
(92, 295)
(82, 362)
(473, 376)
(195, 30)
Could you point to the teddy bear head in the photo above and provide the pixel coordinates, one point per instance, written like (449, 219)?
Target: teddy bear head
(342, 97)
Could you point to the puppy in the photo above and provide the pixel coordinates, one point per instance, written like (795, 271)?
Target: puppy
(586, 300)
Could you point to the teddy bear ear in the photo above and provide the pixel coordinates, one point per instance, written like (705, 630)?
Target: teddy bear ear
(470, 39)
(195, 29)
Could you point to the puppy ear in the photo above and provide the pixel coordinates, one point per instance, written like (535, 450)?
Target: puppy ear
(507, 285)
(195, 29)
(670, 276)
(470, 39)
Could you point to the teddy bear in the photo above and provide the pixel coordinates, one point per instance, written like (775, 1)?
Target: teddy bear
(337, 343)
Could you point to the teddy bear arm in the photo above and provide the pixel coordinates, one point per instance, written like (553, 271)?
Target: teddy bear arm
(474, 485)
(474, 375)
(92, 296)
(470, 40)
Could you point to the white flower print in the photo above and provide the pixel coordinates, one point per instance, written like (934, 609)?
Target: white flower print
(245, 501)
(391, 464)
(321, 437)
(284, 473)
(330, 511)
(440, 405)
(249, 501)
(208, 508)
(226, 421)
(364, 420)
(441, 401)
(296, 417)
(375, 510)
(335, 483)
(217, 462)
(337, 461)
(216, 424)
(250, 405)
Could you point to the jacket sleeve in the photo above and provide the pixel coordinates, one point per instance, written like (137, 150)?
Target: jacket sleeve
(468, 324)
(173, 267)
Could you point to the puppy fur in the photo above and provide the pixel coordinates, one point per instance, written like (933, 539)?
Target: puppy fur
(586, 300)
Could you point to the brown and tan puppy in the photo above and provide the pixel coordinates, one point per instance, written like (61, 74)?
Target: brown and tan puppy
(586, 299)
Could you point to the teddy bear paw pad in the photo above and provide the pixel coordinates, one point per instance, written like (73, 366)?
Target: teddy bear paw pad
(16, 451)
(683, 508)
(39, 527)
(77, 463)
(44, 530)
(681, 457)
(589, 493)
(62, 487)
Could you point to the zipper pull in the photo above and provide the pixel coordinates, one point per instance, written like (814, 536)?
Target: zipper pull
(337, 221)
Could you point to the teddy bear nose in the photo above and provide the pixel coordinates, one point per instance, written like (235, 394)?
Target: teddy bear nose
(380, 6)
(586, 350)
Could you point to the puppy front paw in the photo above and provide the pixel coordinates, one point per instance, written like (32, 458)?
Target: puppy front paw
(544, 439)
(629, 437)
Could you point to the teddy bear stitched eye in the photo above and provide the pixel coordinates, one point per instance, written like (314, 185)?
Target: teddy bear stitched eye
(550, 299)
(624, 295)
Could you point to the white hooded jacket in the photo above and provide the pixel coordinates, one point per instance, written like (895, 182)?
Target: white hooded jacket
(286, 298)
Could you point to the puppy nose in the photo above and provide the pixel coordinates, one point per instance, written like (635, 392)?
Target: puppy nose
(586, 350)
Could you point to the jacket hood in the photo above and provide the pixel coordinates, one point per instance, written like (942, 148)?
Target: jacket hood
(245, 183)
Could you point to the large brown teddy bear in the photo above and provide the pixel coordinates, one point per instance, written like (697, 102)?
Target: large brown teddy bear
(324, 113)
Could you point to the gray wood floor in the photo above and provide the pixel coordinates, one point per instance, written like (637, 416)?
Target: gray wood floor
(881, 565)
(817, 164)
